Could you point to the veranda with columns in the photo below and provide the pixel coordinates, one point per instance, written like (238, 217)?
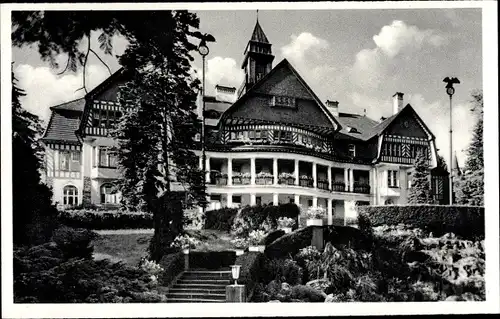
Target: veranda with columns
(258, 178)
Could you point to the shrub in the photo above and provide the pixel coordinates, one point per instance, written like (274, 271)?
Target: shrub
(465, 221)
(286, 222)
(315, 212)
(172, 264)
(115, 219)
(252, 268)
(256, 237)
(284, 270)
(341, 236)
(307, 293)
(184, 242)
(290, 244)
(272, 236)
(220, 219)
(74, 242)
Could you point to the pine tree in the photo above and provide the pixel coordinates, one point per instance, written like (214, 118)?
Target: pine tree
(33, 212)
(155, 134)
(420, 192)
(469, 189)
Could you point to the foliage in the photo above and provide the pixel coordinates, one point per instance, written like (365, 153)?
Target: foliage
(307, 294)
(315, 212)
(220, 219)
(261, 217)
(284, 222)
(290, 244)
(114, 219)
(184, 242)
(152, 268)
(252, 266)
(32, 209)
(470, 186)
(465, 221)
(420, 192)
(284, 270)
(272, 236)
(172, 264)
(240, 243)
(74, 243)
(256, 237)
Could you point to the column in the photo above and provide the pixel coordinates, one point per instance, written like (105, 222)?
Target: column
(297, 199)
(253, 199)
(229, 171)
(275, 199)
(351, 180)
(252, 171)
(275, 171)
(346, 179)
(315, 201)
(229, 200)
(329, 178)
(201, 161)
(296, 172)
(207, 167)
(314, 173)
(330, 211)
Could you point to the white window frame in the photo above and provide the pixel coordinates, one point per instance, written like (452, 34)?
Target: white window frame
(107, 157)
(109, 198)
(70, 191)
(393, 178)
(408, 180)
(352, 150)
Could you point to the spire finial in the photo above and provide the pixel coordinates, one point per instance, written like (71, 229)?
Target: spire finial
(257, 15)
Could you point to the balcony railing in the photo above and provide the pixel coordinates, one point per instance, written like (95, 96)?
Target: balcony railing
(264, 180)
(322, 184)
(361, 188)
(338, 186)
(241, 180)
(286, 180)
(306, 182)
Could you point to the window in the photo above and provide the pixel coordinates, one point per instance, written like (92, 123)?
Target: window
(70, 195)
(352, 150)
(107, 158)
(75, 161)
(258, 200)
(285, 101)
(233, 136)
(408, 179)
(392, 178)
(257, 135)
(215, 197)
(237, 199)
(389, 202)
(285, 136)
(64, 159)
(108, 196)
(197, 137)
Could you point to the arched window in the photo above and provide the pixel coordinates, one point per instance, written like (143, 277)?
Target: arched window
(70, 195)
(108, 196)
(389, 202)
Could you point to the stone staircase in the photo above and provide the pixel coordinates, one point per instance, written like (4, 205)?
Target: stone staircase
(200, 285)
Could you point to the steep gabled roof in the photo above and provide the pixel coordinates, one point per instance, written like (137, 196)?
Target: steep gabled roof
(285, 64)
(363, 125)
(62, 126)
(258, 34)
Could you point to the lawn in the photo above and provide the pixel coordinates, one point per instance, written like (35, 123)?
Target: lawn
(130, 247)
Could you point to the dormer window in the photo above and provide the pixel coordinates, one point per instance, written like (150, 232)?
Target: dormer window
(352, 129)
(283, 101)
(352, 150)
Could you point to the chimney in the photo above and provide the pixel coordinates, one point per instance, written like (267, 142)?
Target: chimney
(225, 93)
(397, 102)
(333, 107)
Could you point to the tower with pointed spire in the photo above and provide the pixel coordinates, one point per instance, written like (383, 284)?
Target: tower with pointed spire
(258, 58)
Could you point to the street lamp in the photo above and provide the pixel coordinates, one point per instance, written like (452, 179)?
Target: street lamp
(450, 90)
(203, 50)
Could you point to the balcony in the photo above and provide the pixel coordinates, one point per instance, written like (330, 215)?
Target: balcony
(338, 186)
(322, 184)
(361, 188)
(241, 179)
(105, 172)
(306, 181)
(264, 179)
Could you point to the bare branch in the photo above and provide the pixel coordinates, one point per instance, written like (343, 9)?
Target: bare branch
(97, 56)
(67, 64)
(84, 87)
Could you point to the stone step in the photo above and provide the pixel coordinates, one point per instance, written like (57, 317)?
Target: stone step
(198, 286)
(189, 295)
(221, 290)
(206, 276)
(183, 281)
(193, 300)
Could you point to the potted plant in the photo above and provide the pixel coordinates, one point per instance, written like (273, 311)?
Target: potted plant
(236, 178)
(245, 178)
(264, 178)
(221, 179)
(184, 242)
(255, 240)
(315, 216)
(286, 224)
(240, 244)
(286, 178)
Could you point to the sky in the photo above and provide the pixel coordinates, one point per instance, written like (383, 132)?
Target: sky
(357, 57)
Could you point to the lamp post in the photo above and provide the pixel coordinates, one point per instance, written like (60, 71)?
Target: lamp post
(203, 50)
(450, 90)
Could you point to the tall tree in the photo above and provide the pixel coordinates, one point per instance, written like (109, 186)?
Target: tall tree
(156, 133)
(420, 192)
(469, 189)
(33, 212)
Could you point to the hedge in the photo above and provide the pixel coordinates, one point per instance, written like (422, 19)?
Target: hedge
(272, 236)
(290, 244)
(211, 259)
(173, 265)
(113, 219)
(464, 221)
(251, 271)
(220, 219)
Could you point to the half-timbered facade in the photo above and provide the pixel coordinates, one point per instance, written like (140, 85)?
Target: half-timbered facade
(270, 141)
